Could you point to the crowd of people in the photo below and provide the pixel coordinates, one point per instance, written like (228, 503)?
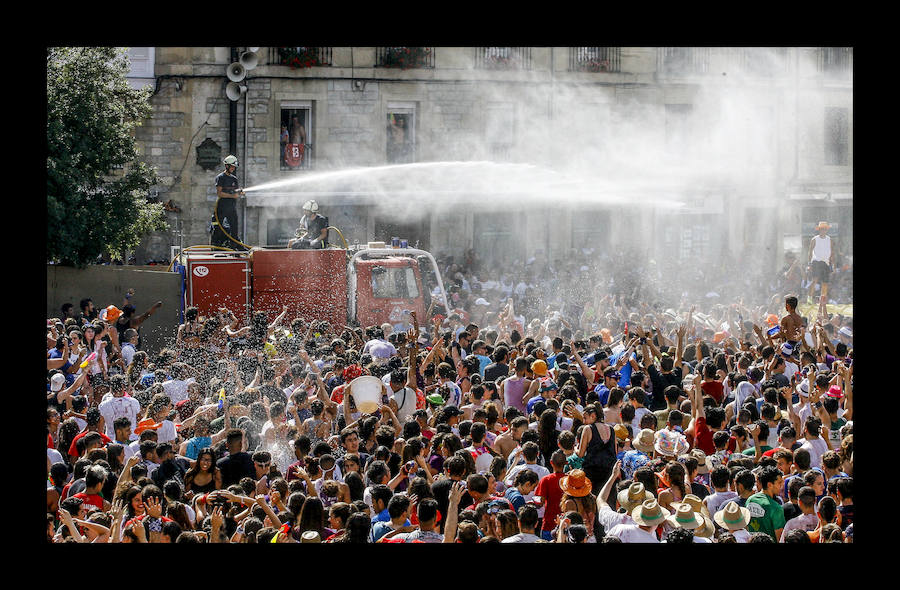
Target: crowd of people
(544, 406)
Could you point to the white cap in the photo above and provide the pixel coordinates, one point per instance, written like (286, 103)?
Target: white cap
(481, 301)
(57, 382)
(803, 388)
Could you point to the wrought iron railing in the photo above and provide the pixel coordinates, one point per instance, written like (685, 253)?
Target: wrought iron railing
(760, 61)
(300, 57)
(595, 59)
(503, 58)
(404, 57)
(683, 60)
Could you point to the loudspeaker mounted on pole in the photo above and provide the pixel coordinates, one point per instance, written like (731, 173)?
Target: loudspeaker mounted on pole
(235, 91)
(236, 72)
(249, 59)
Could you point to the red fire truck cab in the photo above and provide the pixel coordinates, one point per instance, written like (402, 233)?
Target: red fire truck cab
(366, 285)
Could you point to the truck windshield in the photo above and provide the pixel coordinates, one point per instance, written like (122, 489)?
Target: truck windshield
(391, 282)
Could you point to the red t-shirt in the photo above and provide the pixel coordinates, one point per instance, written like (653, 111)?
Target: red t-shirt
(714, 389)
(548, 488)
(91, 500)
(703, 436)
(73, 449)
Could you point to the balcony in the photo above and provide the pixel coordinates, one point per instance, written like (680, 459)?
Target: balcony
(595, 59)
(683, 61)
(404, 57)
(300, 57)
(836, 63)
(503, 58)
(762, 62)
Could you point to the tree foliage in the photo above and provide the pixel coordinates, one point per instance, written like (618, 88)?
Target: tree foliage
(96, 188)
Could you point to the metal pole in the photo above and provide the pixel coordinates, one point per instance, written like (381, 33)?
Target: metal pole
(246, 161)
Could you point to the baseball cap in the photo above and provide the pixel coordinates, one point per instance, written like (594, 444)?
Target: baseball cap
(787, 349)
(57, 382)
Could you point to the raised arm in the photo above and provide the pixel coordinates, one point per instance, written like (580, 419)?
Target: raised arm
(588, 373)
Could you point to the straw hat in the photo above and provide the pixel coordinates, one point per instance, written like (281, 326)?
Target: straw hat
(691, 501)
(697, 505)
(310, 537)
(644, 441)
(621, 431)
(670, 443)
(685, 518)
(700, 456)
(708, 528)
(823, 224)
(732, 517)
(633, 495)
(576, 484)
(649, 513)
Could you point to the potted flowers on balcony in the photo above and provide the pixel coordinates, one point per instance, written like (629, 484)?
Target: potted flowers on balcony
(299, 57)
(595, 65)
(405, 57)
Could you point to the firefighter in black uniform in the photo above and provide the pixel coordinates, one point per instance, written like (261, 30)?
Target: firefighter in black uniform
(228, 193)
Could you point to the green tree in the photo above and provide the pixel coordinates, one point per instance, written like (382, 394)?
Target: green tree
(96, 188)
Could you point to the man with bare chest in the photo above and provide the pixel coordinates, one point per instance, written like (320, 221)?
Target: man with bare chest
(792, 323)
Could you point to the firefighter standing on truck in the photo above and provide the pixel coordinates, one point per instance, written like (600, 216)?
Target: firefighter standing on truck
(228, 193)
(313, 230)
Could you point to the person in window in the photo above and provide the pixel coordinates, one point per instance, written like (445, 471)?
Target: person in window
(296, 147)
(398, 146)
(313, 230)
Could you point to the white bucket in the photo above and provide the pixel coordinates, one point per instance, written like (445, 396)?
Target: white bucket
(366, 391)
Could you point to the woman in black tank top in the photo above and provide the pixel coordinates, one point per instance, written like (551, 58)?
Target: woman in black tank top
(600, 455)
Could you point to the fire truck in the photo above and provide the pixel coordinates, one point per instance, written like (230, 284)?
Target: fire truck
(360, 285)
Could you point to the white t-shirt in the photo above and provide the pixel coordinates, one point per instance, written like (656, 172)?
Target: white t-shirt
(408, 402)
(741, 535)
(632, 533)
(522, 538)
(112, 408)
(638, 414)
(128, 353)
(55, 456)
(166, 432)
(816, 447)
(609, 518)
(539, 469)
(177, 389)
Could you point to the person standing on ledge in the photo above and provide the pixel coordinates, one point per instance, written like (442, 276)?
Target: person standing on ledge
(228, 192)
(821, 261)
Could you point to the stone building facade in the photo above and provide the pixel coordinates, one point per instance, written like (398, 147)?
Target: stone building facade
(701, 153)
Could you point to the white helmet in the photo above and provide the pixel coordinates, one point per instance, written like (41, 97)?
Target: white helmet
(230, 161)
(311, 206)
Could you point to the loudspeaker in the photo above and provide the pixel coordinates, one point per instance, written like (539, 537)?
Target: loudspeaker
(236, 72)
(249, 60)
(234, 91)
